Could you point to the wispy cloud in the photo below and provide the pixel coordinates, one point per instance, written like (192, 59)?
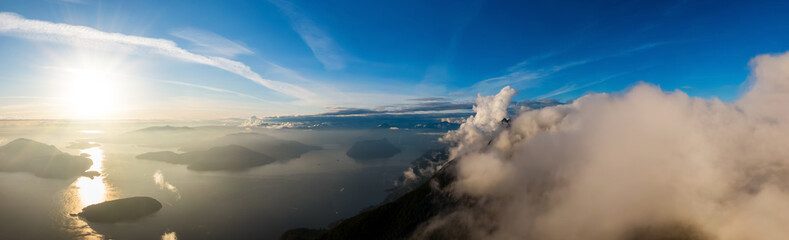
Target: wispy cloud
(576, 86)
(25, 97)
(530, 61)
(158, 178)
(323, 47)
(430, 107)
(16, 25)
(215, 89)
(74, 1)
(512, 78)
(523, 73)
(568, 88)
(428, 99)
(211, 43)
(640, 48)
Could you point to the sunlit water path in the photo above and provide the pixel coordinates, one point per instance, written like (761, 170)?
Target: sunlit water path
(86, 191)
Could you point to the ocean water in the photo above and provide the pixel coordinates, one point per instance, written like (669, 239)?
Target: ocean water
(312, 191)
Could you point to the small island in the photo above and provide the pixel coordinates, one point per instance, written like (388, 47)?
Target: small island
(372, 149)
(230, 157)
(125, 209)
(25, 155)
(277, 148)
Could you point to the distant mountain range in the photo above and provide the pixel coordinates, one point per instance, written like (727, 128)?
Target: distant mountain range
(167, 136)
(166, 128)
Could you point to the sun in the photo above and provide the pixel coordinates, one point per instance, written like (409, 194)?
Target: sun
(90, 93)
(89, 84)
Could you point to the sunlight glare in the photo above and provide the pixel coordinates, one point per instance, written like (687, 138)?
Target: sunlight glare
(90, 94)
(92, 191)
(86, 191)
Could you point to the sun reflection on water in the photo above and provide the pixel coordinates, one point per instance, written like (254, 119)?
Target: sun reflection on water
(86, 191)
(92, 191)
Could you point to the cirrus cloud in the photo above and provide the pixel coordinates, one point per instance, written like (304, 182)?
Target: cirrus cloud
(15, 25)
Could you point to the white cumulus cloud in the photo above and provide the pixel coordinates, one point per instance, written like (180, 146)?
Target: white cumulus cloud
(628, 166)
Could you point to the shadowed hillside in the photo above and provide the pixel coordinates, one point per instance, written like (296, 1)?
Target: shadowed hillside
(25, 155)
(411, 213)
(394, 220)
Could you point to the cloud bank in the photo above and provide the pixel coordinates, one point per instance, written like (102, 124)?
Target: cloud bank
(16, 25)
(637, 165)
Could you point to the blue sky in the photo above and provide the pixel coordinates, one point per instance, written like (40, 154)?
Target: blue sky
(219, 59)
